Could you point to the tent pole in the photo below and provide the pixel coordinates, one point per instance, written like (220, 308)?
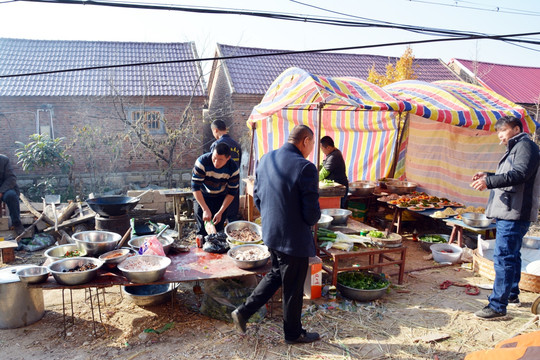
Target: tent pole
(250, 164)
(398, 143)
(317, 139)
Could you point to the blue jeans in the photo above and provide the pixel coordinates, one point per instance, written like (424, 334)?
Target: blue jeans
(11, 198)
(507, 262)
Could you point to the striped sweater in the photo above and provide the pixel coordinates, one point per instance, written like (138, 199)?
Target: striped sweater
(214, 182)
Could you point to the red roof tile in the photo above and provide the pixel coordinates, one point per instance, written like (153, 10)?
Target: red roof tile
(519, 84)
(19, 56)
(255, 75)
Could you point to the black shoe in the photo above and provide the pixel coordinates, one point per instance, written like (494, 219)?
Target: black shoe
(488, 313)
(239, 321)
(514, 301)
(304, 338)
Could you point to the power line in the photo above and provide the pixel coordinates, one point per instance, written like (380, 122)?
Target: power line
(480, 7)
(472, 37)
(263, 14)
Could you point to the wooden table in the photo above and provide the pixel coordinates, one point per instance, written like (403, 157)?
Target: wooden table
(377, 257)
(459, 225)
(179, 197)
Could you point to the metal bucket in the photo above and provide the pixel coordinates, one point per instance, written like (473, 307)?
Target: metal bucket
(19, 304)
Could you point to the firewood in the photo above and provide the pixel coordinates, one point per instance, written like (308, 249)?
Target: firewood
(33, 210)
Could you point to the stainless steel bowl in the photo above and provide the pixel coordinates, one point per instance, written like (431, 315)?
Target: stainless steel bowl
(58, 252)
(145, 268)
(325, 221)
(532, 242)
(165, 240)
(362, 188)
(401, 187)
(476, 220)
(360, 294)
(249, 264)
(96, 242)
(34, 274)
(239, 225)
(115, 257)
(340, 215)
(149, 295)
(60, 270)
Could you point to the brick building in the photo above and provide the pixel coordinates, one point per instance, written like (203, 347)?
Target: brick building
(84, 92)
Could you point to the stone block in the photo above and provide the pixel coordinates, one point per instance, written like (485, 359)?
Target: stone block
(4, 223)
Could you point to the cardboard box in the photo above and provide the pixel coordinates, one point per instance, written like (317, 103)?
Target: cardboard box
(313, 283)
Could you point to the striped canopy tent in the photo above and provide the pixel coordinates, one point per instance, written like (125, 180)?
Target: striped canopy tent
(443, 155)
(362, 118)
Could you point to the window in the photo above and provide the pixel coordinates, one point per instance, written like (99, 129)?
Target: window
(152, 119)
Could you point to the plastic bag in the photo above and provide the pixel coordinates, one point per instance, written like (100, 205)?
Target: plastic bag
(222, 296)
(216, 243)
(151, 246)
(38, 242)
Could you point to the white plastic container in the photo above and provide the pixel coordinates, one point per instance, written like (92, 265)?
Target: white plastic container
(446, 253)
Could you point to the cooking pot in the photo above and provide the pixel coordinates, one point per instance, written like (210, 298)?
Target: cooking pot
(114, 205)
(19, 305)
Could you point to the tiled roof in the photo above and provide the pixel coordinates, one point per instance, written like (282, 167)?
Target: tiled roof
(19, 56)
(255, 75)
(519, 84)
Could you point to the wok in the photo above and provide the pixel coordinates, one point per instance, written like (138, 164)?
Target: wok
(114, 205)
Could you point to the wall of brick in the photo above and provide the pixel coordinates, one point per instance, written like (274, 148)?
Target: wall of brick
(71, 114)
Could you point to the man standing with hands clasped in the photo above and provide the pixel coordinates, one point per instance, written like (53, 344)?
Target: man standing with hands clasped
(287, 194)
(513, 202)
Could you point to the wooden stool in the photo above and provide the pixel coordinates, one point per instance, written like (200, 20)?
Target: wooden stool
(7, 251)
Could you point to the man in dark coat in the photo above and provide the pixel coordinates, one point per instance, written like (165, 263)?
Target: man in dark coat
(333, 166)
(513, 202)
(286, 194)
(9, 193)
(220, 132)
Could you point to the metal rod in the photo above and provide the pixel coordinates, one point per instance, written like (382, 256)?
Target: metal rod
(92, 310)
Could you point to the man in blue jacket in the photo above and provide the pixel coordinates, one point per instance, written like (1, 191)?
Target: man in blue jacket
(513, 202)
(286, 193)
(220, 132)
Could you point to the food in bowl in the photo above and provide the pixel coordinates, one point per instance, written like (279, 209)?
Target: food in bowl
(73, 253)
(142, 263)
(250, 254)
(84, 267)
(361, 280)
(245, 235)
(434, 238)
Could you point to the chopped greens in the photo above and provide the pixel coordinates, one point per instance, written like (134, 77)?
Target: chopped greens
(375, 234)
(361, 280)
(433, 239)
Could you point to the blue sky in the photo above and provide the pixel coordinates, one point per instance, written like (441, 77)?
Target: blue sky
(31, 20)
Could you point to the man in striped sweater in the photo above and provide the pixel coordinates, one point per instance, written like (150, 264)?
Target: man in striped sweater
(214, 183)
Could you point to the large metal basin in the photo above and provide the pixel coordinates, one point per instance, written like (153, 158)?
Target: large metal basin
(138, 241)
(401, 187)
(19, 304)
(362, 188)
(96, 242)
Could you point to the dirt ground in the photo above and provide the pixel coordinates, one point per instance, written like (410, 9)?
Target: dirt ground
(389, 328)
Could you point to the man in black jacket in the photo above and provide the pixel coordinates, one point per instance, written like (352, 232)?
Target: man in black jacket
(513, 202)
(9, 193)
(287, 194)
(333, 166)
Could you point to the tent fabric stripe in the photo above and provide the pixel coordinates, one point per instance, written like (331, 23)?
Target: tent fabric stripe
(443, 158)
(458, 103)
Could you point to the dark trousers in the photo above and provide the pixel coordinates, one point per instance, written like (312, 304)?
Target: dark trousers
(288, 272)
(214, 203)
(11, 198)
(232, 210)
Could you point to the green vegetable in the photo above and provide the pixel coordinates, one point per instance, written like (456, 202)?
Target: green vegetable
(361, 281)
(332, 235)
(325, 238)
(433, 239)
(375, 234)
